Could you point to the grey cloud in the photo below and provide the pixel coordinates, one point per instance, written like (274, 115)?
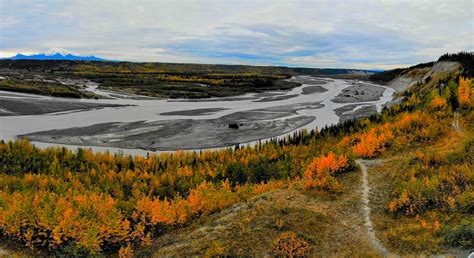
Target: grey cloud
(302, 33)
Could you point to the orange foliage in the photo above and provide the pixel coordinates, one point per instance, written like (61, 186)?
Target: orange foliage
(290, 245)
(465, 93)
(344, 142)
(56, 219)
(320, 173)
(408, 121)
(126, 252)
(438, 103)
(206, 198)
(268, 186)
(372, 143)
(435, 226)
(402, 201)
(99, 199)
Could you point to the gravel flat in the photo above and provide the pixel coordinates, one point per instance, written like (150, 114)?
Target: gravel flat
(355, 111)
(177, 134)
(313, 89)
(359, 92)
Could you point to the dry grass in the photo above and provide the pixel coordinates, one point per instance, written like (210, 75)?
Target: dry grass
(332, 225)
(402, 234)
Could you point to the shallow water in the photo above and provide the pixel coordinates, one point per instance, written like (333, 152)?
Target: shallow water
(150, 109)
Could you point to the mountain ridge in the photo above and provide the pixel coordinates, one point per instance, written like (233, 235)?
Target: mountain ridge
(55, 56)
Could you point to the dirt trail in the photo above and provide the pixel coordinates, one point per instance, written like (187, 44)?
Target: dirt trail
(366, 208)
(455, 123)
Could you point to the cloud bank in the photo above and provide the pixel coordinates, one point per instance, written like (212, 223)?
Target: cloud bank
(355, 34)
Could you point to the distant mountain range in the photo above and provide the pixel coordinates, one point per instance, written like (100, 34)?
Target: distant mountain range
(55, 56)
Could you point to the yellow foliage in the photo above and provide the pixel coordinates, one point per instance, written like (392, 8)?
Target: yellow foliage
(126, 252)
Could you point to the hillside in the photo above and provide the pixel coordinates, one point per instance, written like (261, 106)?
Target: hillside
(420, 188)
(398, 183)
(402, 79)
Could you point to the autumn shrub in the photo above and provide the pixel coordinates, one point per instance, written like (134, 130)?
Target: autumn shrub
(88, 201)
(372, 143)
(430, 158)
(208, 198)
(434, 190)
(412, 202)
(465, 92)
(438, 103)
(410, 122)
(126, 252)
(290, 245)
(435, 180)
(320, 173)
(205, 199)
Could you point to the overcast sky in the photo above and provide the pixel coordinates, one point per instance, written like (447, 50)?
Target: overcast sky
(354, 34)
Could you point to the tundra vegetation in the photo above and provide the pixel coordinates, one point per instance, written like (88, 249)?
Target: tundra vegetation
(162, 80)
(57, 201)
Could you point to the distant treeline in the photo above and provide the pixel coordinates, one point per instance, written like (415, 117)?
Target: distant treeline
(43, 88)
(65, 65)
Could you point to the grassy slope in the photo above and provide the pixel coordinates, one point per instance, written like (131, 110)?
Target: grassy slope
(333, 225)
(406, 234)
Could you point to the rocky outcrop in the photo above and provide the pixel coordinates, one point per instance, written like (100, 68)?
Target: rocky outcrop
(400, 84)
(410, 77)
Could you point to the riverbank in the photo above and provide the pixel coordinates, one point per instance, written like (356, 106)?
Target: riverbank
(141, 125)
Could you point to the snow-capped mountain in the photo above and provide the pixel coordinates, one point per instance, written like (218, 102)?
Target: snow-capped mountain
(56, 56)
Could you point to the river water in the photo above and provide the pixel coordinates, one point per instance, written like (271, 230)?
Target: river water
(150, 109)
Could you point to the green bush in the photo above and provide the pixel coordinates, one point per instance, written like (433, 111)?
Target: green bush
(461, 235)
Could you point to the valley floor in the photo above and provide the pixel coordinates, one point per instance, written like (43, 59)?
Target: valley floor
(143, 125)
